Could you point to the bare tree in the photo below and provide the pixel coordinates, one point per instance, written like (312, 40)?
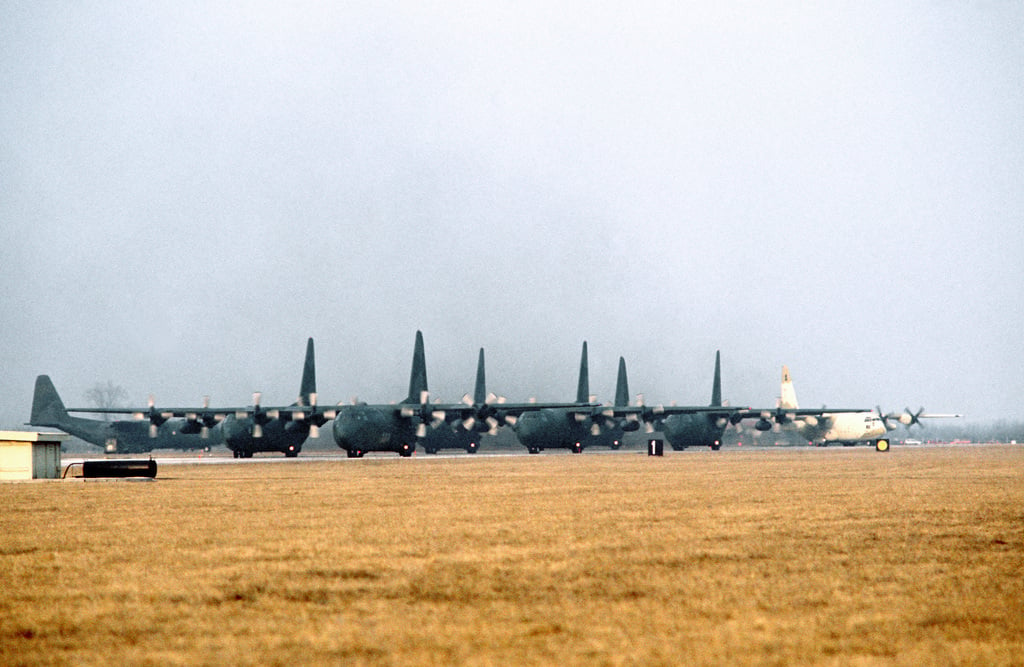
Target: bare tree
(108, 395)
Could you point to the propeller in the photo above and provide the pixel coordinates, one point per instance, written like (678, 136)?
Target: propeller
(885, 418)
(911, 418)
(314, 427)
(156, 419)
(258, 417)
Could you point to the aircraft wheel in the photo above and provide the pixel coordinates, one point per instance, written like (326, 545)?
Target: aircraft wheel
(533, 450)
(616, 446)
(472, 448)
(291, 454)
(577, 448)
(715, 447)
(352, 453)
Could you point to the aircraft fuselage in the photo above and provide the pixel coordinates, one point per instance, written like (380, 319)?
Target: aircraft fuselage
(450, 437)
(278, 435)
(848, 427)
(692, 430)
(551, 428)
(363, 428)
(133, 437)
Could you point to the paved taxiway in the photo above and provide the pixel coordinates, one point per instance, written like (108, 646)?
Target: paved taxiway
(218, 458)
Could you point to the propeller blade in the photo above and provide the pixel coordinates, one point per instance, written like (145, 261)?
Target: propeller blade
(152, 430)
(421, 430)
(257, 430)
(314, 431)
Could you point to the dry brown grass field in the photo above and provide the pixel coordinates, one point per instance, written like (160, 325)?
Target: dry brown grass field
(825, 556)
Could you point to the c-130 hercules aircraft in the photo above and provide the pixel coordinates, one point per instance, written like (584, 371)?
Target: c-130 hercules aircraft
(398, 427)
(243, 430)
(585, 423)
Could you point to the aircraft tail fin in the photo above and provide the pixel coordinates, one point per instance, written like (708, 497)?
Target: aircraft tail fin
(622, 385)
(47, 408)
(583, 387)
(418, 376)
(716, 384)
(787, 394)
(480, 390)
(308, 385)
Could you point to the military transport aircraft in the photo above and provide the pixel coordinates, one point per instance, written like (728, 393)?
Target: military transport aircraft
(606, 429)
(703, 428)
(560, 427)
(464, 433)
(681, 426)
(398, 427)
(123, 435)
(829, 426)
(243, 430)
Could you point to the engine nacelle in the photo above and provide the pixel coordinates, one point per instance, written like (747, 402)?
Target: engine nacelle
(763, 425)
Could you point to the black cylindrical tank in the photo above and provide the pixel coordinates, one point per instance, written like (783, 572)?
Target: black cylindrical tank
(119, 468)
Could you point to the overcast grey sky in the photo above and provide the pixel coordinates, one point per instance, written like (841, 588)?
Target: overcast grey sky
(190, 190)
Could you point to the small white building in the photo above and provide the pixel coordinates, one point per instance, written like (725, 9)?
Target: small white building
(30, 455)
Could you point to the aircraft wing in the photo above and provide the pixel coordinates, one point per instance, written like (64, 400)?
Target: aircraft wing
(210, 416)
(908, 418)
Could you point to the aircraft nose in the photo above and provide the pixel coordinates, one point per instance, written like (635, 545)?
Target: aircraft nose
(349, 434)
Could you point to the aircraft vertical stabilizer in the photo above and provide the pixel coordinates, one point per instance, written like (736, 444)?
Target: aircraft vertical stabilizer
(308, 385)
(787, 394)
(583, 388)
(47, 408)
(418, 376)
(622, 385)
(480, 390)
(716, 385)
